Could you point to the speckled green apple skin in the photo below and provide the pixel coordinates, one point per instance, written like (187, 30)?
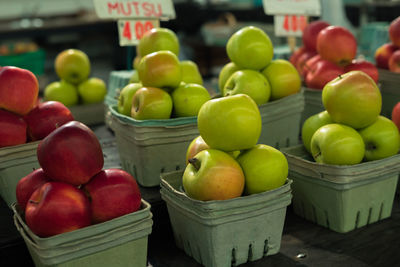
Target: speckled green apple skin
(151, 103)
(312, 124)
(158, 39)
(227, 70)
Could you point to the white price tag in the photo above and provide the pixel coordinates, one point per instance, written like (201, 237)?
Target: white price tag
(137, 9)
(289, 25)
(292, 7)
(130, 31)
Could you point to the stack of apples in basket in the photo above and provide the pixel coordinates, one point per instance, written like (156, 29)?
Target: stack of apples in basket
(387, 56)
(165, 87)
(327, 52)
(71, 190)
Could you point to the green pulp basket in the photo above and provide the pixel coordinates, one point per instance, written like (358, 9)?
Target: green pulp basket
(390, 90)
(281, 121)
(33, 61)
(225, 232)
(15, 163)
(148, 148)
(342, 198)
(119, 242)
(89, 114)
(312, 103)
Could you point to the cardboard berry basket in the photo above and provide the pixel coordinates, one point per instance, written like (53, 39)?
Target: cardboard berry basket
(226, 232)
(150, 147)
(15, 163)
(118, 242)
(88, 114)
(281, 121)
(312, 103)
(389, 84)
(342, 198)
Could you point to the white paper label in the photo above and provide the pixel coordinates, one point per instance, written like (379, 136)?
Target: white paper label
(289, 25)
(130, 31)
(292, 7)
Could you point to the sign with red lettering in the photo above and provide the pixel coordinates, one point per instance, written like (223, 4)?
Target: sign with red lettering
(292, 7)
(289, 25)
(134, 9)
(130, 31)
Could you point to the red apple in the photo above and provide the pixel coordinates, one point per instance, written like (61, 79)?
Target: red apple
(56, 208)
(396, 115)
(45, 118)
(71, 154)
(309, 65)
(394, 31)
(112, 193)
(296, 54)
(28, 184)
(12, 129)
(303, 59)
(365, 66)
(19, 90)
(323, 72)
(337, 44)
(310, 33)
(394, 62)
(382, 55)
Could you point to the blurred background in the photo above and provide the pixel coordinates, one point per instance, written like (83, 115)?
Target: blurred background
(33, 32)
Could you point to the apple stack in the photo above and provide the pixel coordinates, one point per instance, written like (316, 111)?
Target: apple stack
(227, 172)
(23, 121)
(155, 117)
(273, 84)
(387, 60)
(73, 200)
(83, 94)
(355, 162)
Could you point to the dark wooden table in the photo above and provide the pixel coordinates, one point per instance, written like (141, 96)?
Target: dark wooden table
(303, 243)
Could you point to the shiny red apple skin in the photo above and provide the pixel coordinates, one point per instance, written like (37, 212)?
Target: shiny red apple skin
(56, 208)
(71, 153)
(12, 129)
(394, 62)
(301, 61)
(309, 65)
(396, 115)
(310, 33)
(112, 193)
(296, 54)
(337, 44)
(365, 66)
(382, 55)
(19, 89)
(394, 31)
(28, 184)
(323, 72)
(45, 118)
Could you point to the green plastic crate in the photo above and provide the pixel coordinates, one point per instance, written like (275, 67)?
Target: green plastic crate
(225, 232)
(342, 198)
(148, 148)
(119, 242)
(390, 89)
(312, 103)
(33, 61)
(281, 121)
(15, 163)
(89, 114)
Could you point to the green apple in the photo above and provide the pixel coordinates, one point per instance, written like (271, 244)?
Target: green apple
(136, 62)
(93, 90)
(250, 48)
(126, 96)
(188, 98)
(190, 72)
(160, 69)
(158, 39)
(312, 124)
(151, 103)
(227, 70)
(195, 147)
(337, 144)
(283, 78)
(72, 65)
(265, 168)
(381, 139)
(249, 82)
(63, 92)
(230, 123)
(134, 77)
(213, 175)
(352, 99)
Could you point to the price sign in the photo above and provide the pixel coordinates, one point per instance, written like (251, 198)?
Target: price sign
(292, 7)
(130, 31)
(289, 25)
(137, 9)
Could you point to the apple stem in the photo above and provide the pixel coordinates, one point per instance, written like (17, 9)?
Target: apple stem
(195, 162)
(317, 155)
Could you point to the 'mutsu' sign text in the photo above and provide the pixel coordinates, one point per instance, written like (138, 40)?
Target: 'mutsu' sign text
(162, 9)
